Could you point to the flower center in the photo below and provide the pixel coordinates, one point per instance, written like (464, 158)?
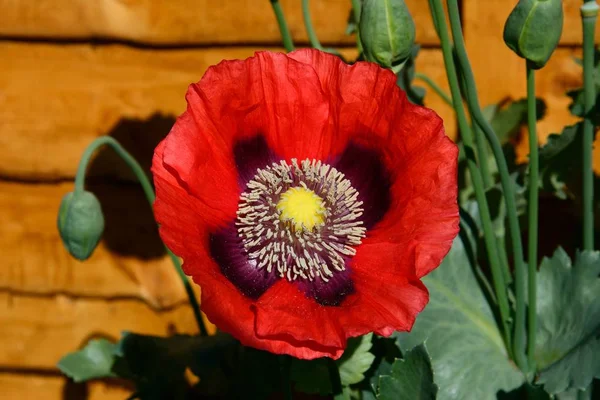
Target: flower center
(300, 220)
(302, 207)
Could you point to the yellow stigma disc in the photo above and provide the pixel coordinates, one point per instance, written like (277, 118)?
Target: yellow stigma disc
(302, 207)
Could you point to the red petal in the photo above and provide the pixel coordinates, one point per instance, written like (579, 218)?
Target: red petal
(422, 161)
(309, 105)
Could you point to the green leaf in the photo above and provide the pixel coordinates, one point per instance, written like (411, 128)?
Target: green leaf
(312, 377)
(315, 376)
(507, 120)
(557, 168)
(356, 360)
(155, 364)
(94, 361)
(467, 351)
(568, 309)
(411, 378)
(386, 352)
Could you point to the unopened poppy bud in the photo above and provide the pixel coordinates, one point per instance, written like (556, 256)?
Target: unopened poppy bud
(387, 32)
(533, 29)
(80, 223)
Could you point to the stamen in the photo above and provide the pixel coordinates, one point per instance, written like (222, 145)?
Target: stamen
(300, 220)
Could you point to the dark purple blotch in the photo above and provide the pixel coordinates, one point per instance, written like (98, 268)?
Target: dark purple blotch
(250, 155)
(363, 167)
(227, 250)
(330, 293)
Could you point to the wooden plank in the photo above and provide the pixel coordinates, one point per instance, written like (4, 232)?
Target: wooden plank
(488, 18)
(185, 21)
(53, 387)
(36, 332)
(127, 264)
(54, 100)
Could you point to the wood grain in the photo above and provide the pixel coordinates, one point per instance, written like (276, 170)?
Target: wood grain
(15, 386)
(36, 332)
(126, 264)
(184, 22)
(54, 100)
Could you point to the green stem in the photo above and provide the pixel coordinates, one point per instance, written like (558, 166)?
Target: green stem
(467, 137)
(286, 37)
(440, 92)
(507, 186)
(482, 155)
(310, 30)
(589, 12)
(149, 192)
(533, 215)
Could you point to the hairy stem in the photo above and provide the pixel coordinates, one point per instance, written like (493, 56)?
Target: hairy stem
(533, 216)
(507, 186)
(467, 138)
(310, 30)
(286, 37)
(589, 12)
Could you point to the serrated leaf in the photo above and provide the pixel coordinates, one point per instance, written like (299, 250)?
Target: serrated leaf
(568, 309)
(467, 351)
(94, 361)
(411, 378)
(356, 360)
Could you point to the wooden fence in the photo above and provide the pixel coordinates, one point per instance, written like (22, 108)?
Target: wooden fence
(74, 70)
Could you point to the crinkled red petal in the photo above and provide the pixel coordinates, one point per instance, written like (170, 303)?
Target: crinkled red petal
(309, 104)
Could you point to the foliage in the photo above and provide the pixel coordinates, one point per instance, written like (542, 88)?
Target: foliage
(568, 311)
(467, 351)
(410, 378)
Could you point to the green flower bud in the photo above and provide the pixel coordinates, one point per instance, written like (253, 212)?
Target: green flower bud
(80, 223)
(533, 29)
(387, 32)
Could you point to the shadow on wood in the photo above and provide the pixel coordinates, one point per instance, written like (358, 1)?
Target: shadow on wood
(130, 228)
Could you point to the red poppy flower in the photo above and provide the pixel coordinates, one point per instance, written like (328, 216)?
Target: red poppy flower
(306, 198)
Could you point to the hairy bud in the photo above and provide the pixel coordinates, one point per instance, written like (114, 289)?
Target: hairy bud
(533, 30)
(80, 223)
(387, 32)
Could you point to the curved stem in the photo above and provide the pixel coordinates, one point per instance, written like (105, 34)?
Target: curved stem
(589, 12)
(149, 192)
(533, 216)
(507, 186)
(286, 37)
(310, 30)
(467, 137)
(435, 87)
